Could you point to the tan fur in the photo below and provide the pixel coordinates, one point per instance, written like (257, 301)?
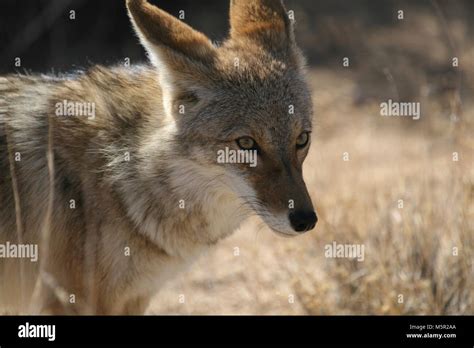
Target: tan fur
(135, 205)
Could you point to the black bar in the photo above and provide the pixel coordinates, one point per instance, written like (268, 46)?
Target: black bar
(314, 330)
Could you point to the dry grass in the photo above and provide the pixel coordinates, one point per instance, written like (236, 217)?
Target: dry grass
(408, 251)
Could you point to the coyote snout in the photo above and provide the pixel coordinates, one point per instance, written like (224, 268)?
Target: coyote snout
(282, 202)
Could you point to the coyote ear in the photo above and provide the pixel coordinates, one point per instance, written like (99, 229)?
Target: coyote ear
(264, 22)
(165, 36)
(182, 55)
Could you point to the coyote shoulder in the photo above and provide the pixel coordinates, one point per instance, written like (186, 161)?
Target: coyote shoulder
(113, 172)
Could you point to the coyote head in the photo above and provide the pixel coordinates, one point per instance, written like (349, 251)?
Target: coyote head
(246, 95)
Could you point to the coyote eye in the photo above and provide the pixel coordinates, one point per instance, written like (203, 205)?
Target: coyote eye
(302, 140)
(246, 143)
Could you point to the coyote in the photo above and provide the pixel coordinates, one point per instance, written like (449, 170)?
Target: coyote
(113, 172)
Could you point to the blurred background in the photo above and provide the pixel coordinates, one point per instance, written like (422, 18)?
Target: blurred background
(418, 253)
(48, 37)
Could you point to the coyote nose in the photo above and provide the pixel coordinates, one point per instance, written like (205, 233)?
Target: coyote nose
(303, 220)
